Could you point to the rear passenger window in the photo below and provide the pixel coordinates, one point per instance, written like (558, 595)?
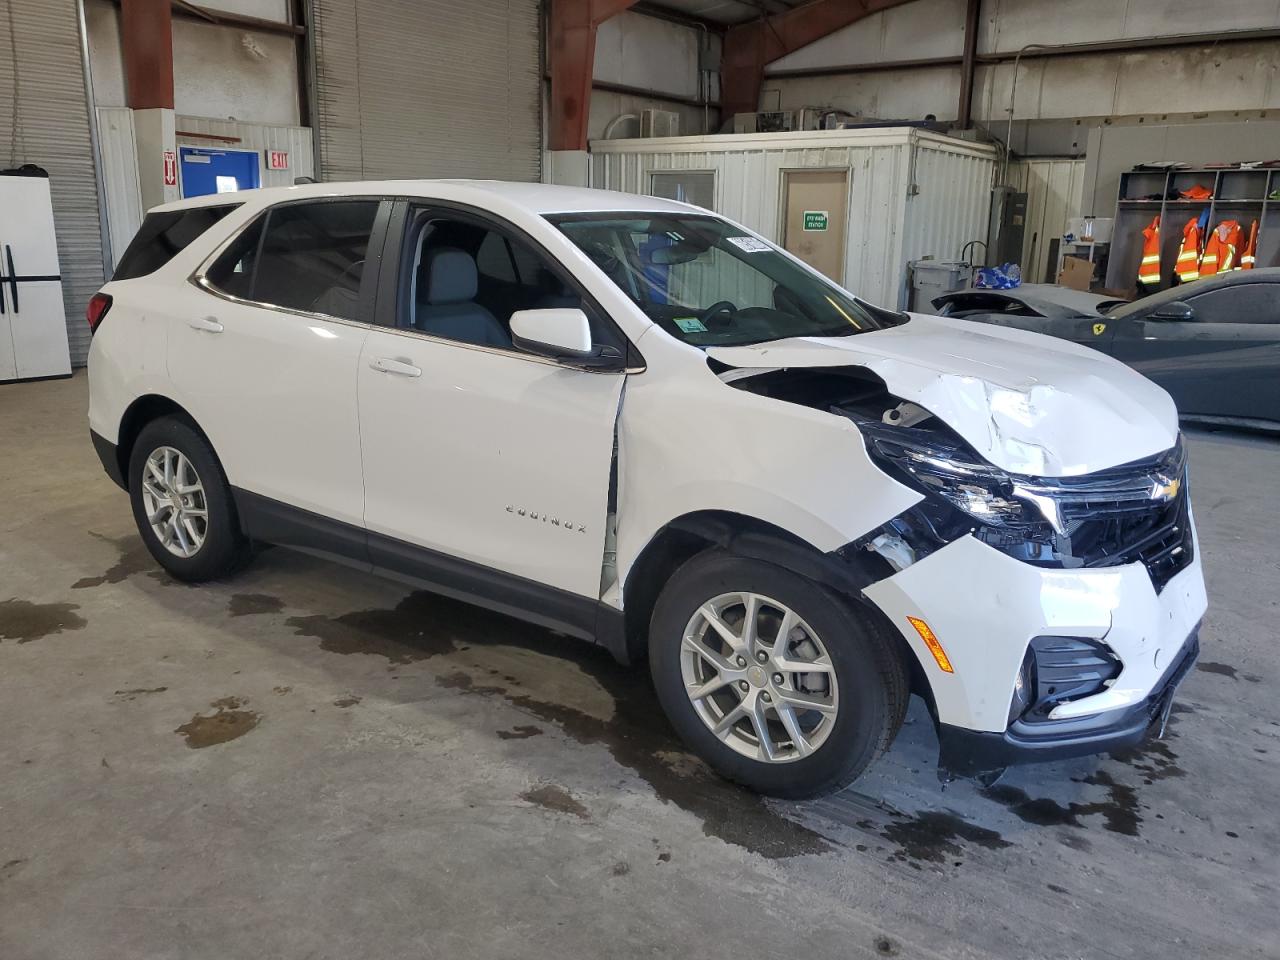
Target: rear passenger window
(308, 257)
(163, 236)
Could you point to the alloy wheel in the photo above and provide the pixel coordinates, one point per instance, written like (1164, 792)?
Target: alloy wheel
(759, 677)
(174, 499)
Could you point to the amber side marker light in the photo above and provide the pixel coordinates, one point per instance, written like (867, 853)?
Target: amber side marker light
(931, 641)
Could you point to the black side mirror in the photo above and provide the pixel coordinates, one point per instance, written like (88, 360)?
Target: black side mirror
(1176, 310)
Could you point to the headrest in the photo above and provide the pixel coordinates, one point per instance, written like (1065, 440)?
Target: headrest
(450, 276)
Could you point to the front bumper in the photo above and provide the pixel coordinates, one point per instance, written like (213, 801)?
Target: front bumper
(985, 608)
(968, 752)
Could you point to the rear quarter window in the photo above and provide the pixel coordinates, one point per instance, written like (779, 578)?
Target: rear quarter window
(163, 236)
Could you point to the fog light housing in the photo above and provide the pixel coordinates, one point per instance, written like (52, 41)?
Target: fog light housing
(1024, 687)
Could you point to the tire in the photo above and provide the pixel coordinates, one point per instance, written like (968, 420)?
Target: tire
(222, 548)
(865, 684)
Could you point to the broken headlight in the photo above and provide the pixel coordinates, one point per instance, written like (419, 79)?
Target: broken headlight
(935, 466)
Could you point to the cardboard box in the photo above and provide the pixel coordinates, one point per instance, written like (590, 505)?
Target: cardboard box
(1076, 274)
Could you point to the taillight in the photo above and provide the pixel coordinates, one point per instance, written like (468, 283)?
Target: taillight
(99, 304)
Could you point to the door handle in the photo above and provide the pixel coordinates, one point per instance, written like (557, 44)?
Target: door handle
(399, 367)
(13, 276)
(205, 324)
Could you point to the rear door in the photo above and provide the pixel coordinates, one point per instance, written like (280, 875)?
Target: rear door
(265, 347)
(1225, 362)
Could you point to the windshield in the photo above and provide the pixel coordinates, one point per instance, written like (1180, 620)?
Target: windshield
(706, 282)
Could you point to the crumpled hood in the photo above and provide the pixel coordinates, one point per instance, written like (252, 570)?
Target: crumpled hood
(1028, 403)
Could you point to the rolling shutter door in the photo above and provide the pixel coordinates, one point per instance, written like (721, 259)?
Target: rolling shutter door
(53, 133)
(434, 88)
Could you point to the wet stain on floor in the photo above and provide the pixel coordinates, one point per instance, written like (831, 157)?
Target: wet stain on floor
(520, 732)
(1155, 760)
(131, 557)
(137, 692)
(557, 799)
(348, 701)
(638, 737)
(25, 621)
(1226, 670)
(932, 836)
(228, 722)
(1119, 811)
(253, 604)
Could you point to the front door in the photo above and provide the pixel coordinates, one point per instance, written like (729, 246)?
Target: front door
(266, 350)
(486, 468)
(1225, 362)
(207, 170)
(816, 202)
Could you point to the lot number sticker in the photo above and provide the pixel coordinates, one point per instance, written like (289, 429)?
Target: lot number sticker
(815, 220)
(749, 244)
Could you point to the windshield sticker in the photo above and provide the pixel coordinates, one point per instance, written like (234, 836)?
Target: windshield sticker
(749, 244)
(692, 324)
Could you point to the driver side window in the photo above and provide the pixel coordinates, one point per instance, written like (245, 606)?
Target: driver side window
(1238, 303)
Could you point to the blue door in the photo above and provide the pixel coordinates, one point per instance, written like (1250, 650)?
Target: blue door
(208, 170)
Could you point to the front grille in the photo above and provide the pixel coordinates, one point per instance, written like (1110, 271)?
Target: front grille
(1117, 516)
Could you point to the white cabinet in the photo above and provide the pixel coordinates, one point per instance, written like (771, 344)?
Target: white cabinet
(33, 322)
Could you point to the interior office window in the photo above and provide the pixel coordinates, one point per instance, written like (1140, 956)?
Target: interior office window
(163, 236)
(698, 188)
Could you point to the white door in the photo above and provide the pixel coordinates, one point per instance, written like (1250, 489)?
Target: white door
(38, 323)
(26, 226)
(273, 383)
(473, 449)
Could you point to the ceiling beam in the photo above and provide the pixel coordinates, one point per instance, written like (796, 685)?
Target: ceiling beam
(571, 42)
(749, 47)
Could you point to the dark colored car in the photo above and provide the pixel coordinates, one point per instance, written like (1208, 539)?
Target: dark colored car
(1214, 344)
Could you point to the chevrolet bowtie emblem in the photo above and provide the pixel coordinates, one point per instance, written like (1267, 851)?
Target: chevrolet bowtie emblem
(1166, 491)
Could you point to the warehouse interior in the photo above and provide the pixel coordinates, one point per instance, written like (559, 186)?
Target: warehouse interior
(308, 761)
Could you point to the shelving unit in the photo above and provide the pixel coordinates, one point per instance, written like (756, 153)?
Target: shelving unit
(1237, 194)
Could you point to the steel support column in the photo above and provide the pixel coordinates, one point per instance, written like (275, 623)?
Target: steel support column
(750, 46)
(146, 34)
(571, 43)
(964, 111)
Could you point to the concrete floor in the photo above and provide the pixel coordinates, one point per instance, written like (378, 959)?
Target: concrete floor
(307, 762)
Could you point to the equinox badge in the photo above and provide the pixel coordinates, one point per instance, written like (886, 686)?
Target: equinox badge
(546, 518)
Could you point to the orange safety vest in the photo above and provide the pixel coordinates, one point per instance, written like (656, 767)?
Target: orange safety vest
(1188, 265)
(1220, 249)
(1250, 254)
(1149, 269)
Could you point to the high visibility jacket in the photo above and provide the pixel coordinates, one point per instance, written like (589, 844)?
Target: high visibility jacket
(1250, 254)
(1149, 268)
(1221, 249)
(1188, 265)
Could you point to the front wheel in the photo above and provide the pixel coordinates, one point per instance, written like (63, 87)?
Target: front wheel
(774, 681)
(182, 503)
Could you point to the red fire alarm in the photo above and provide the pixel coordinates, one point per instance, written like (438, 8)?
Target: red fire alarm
(277, 160)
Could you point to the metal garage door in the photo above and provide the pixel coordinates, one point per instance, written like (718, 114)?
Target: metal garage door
(52, 131)
(436, 88)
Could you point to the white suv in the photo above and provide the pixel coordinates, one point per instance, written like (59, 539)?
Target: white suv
(641, 424)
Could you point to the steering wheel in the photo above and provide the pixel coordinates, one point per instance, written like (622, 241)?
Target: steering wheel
(720, 306)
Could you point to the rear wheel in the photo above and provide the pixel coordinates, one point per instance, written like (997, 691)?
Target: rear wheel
(776, 682)
(182, 502)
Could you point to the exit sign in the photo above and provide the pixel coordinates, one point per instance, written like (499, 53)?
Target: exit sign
(815, 220)
(277, 160)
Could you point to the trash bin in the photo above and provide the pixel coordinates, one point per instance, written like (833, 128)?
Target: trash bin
(933, 278)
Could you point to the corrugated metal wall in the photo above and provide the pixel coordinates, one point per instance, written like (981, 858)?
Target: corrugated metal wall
(1055, 192)
(53, 132)
(436, 88)
(886, 227)
(123, 195)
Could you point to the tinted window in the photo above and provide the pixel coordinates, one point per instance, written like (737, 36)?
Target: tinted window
(313, 256)
(1238, 303)
(163, 236)
(232, 272)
